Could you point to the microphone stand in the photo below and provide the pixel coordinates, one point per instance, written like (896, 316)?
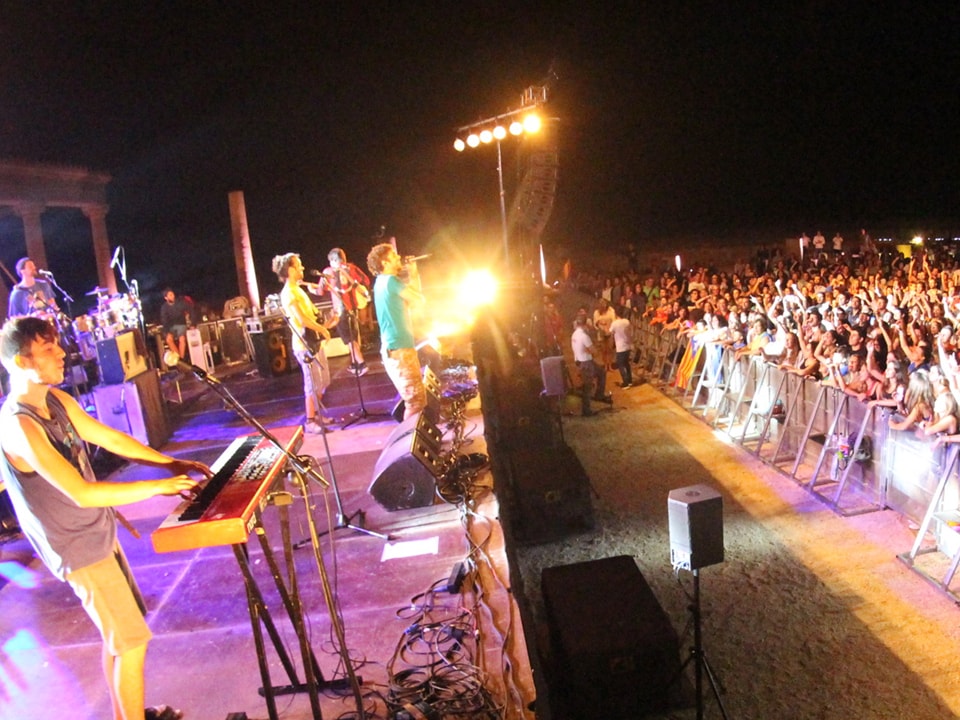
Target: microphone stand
(361, 414)
(343, 521)
(302, 469)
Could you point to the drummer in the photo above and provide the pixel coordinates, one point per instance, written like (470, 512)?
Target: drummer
(174, 319)
(31, 296)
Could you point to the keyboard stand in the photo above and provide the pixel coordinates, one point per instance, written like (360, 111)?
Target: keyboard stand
(260, 617)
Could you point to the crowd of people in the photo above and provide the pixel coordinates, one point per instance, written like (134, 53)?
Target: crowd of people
(879, 325)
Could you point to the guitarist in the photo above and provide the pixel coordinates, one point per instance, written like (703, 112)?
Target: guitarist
(349, 287)
(301, 313)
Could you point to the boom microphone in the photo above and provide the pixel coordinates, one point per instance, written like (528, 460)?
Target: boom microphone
(413, 258)
(45, 273)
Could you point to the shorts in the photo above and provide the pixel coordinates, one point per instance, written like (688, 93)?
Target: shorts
(316, 373)
(347, 327)
(110, 596)
(403, 368)
(178, 331)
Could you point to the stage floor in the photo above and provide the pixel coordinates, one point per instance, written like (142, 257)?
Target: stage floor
(390, 593)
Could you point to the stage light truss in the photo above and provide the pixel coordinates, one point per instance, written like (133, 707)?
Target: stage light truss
(524, 120)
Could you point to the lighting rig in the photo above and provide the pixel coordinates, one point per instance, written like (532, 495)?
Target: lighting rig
(523, 121)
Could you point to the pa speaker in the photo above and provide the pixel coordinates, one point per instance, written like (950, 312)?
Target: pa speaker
(406, 474)
(613, 651)
(551, 369)
(549, 494)
(696, 527)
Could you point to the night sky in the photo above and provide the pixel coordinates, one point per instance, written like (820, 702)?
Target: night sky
(672, 119)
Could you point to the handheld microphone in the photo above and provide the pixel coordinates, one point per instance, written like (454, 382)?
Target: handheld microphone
(413, 258)
(315, 273)
(45, 273)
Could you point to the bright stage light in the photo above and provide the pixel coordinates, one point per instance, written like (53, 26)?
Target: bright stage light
(516, 127)
(531, 124)
(918, 240)
(473, 140)
(486, 137)
(477, 289)
(459, 145)
(499, 132)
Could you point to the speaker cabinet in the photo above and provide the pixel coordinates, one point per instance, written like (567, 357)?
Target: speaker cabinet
(696, 527)
(613, 652)
(134, 407)
(407, 470)
(550, 494)
(551, 370)
(273, 351)
(233, 342)
(121, 357)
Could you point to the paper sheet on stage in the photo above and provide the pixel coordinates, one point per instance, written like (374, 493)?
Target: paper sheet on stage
(410, 548)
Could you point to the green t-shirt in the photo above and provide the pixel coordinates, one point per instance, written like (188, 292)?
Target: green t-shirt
(395, 330)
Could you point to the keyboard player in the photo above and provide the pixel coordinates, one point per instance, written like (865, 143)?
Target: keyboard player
(66, 514)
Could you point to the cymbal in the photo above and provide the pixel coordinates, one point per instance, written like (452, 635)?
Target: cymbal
(98, 291)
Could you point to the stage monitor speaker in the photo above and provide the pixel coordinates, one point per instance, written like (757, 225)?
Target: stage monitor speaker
(273, 351)
(419, 423)
(121, 357)
(696, 527)
(551, 369)
(406, 473)
(614, 652)
(135, 407)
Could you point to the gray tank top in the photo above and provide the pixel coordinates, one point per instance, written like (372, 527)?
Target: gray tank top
(65, 536)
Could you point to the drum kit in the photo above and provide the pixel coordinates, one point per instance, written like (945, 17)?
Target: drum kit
(114, 314)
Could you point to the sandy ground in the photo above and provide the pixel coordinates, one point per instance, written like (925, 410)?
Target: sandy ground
(811, 615)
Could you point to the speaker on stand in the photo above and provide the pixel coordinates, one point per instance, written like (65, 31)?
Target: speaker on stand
(695, 517)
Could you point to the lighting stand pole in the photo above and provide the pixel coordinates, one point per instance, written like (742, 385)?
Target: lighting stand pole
(503, 211)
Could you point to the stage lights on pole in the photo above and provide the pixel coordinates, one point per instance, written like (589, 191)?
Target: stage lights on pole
(497, 128)
(524, 121)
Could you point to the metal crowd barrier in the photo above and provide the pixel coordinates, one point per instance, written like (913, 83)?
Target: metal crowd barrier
(837, 447)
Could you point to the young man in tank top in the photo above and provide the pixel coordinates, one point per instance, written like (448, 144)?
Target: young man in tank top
(66, 514)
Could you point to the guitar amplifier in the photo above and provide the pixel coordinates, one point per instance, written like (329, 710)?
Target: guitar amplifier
(121, 357)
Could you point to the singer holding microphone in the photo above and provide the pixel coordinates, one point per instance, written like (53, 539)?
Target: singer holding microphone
(32, 295)
(393, 299)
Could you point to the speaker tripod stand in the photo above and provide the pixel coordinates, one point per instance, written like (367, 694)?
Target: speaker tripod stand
(699, 658)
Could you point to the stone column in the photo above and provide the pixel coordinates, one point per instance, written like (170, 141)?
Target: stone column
(97, 214)
(33, 232)
(242, 253)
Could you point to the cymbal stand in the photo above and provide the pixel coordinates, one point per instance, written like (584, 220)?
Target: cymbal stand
(342, 520)
(361, 414)
(699, 657)
(301, 468)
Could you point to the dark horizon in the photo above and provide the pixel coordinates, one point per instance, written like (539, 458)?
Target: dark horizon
(671, 122)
